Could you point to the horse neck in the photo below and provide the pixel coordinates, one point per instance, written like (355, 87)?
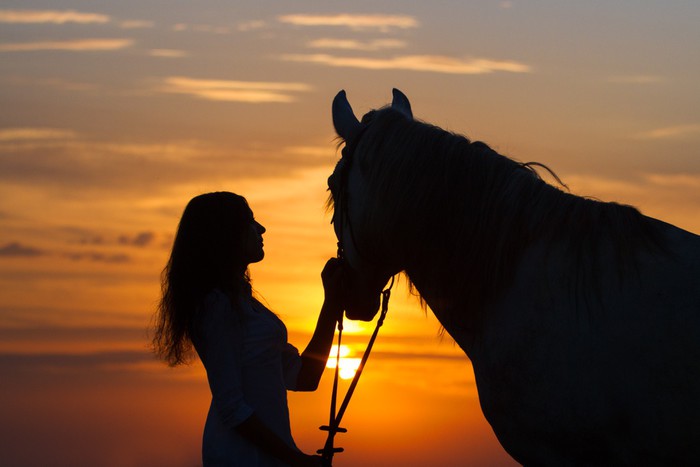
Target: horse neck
(468, 260)
(446, 310)
(462, 283)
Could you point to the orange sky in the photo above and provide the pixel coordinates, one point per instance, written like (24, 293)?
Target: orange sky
(114, 114)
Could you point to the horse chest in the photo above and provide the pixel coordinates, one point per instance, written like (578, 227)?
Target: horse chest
(560, 387)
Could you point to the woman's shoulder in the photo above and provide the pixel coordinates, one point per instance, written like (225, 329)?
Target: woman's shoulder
(216, 298)
(217, 312)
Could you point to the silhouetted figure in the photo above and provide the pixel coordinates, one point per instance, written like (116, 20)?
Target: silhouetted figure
(207, 303)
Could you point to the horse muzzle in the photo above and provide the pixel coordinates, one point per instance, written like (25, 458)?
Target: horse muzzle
(361, 297)
(361, 309)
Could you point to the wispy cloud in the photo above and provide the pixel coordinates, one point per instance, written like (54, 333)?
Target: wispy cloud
(252, 25)
(431, 63)
(69, 165)
(99, 257)
(168, 53)
(105, 360)
(55, 83)
(63, 330)
(353, 21)
(34, 134)
(202, 28)
(140, 239)
(16, 249)
(50, 16)
(678, 181)
(94, 238)
(234, 91)
(351, 44)
(136, 24)
(81, 45)
(84, 167)
(672, 132)
(635, 79)
(671, 196)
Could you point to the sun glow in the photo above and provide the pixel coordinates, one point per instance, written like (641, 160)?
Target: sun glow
(347, 365)
(354, 327)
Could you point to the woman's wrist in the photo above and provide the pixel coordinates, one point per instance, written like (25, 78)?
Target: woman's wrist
(331, 310)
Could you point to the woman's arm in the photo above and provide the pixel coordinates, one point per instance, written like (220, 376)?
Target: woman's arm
(315, 356)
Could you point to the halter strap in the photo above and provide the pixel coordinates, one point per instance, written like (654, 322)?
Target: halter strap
(333, 426)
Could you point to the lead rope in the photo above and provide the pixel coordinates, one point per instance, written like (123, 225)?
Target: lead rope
(333, 426)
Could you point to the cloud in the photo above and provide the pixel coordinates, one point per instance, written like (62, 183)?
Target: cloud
(672, 132)
(98, 257)
(55, 83)
(136, 24)
(76, 165)
(86, 169)
(90, 237)
(107, 360)
(351, 44)
(671, 196)
(92, 240)
(50, 16)
(168, 53)
(252, 25)
(61, 331)
(234, 91)
(33, 134)
(141, 239)
(353, 21)
(635, 79)
(676, 181)
(80, 45)
(430, 63)
(203, 28)
(16, 249)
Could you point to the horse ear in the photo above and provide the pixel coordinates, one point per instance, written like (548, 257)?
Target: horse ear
(400, 103)
(344, 120)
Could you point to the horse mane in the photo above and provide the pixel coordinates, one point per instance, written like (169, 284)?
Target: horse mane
(460, 215)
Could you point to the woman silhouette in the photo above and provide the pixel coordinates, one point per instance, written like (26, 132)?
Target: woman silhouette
(207, 304)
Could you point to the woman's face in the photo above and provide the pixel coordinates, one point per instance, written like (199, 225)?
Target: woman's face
(254, 242)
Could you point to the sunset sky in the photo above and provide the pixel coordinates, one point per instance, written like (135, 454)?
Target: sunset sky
(115, 113)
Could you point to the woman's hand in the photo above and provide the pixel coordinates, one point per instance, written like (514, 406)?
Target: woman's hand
(332, 276)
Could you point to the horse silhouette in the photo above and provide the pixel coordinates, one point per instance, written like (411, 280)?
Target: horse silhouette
(581, 317)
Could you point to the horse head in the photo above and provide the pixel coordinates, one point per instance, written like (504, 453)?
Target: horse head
(366, 269)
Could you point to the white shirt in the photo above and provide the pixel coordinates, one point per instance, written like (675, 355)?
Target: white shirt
(250, 365)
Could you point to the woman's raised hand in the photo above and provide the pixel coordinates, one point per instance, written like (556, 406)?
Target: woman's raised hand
(332, 276)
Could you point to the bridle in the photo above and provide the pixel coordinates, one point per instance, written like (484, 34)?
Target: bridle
(336, 416)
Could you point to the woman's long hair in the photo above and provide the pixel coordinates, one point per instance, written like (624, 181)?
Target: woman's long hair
(208, 253)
